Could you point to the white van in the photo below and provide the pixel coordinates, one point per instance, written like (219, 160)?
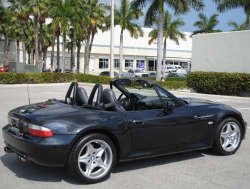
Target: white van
(172, 68)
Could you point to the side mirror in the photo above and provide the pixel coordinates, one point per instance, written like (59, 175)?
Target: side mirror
(170, 106)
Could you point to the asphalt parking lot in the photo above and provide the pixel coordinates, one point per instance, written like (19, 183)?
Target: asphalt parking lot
(197, 169)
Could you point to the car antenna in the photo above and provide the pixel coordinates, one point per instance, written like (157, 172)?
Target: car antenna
(28, 93)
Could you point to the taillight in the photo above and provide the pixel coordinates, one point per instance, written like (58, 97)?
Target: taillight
(39, 131)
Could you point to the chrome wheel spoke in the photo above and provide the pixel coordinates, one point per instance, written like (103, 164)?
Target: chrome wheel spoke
(101, 164)
(234, 132)
(224, 135)
(90, 149)
(84, 159)
(100, 150)
(228, 130)
(89, 168)
(226, 142)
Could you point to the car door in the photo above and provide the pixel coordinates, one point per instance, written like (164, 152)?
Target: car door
(156, 128)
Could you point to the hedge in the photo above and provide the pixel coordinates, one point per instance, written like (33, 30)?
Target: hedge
(219, 82)
(14, 78)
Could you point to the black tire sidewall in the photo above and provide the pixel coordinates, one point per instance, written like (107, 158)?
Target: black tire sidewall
(76, 150)
(217, 143)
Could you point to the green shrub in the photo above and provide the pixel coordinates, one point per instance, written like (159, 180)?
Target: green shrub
(15, 78)
(219, 82)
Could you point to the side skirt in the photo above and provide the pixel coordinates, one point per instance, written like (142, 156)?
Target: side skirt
(166, 150)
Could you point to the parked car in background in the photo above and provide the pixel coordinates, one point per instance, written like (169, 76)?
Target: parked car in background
(176, 75)
(135, 73)
(5, 69)
(172, 68)
(153, 74)
(107, 73)
(140, 73)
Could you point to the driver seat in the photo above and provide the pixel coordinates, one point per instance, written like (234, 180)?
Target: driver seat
(110, 101)
(82, 96)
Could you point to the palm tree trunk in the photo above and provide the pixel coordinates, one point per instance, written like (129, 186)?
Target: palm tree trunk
(63, 52)
(86, 65)
(23, 42)
(36, 41)
(18, 50)
(45, 50)
(52, 53)
(90, 45)
(7, 51)
(73, 53)
(160, 39)
(32, 52)
(121, 53)
(40, 41)
(247, 27)
(5, 47)
(164, 58)
(78, 55)
(29, 57)
(58, 50)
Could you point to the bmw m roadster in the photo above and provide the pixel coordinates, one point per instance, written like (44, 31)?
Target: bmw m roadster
(133, 118)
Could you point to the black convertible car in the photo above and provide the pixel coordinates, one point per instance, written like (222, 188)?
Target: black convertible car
(89, 135)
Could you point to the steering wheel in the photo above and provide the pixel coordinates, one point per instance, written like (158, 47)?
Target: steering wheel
(126, 106)
(73, 101)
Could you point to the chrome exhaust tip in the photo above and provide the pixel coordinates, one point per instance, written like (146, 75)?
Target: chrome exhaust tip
(8, 150)
(20, 158)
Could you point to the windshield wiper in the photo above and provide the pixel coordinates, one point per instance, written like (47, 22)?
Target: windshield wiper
(184, 101)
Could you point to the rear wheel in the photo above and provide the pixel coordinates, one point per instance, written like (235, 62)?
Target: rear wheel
(92, 158)
(228, 137)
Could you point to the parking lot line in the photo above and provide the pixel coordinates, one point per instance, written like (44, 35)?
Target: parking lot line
(243, 108)
(248, 127)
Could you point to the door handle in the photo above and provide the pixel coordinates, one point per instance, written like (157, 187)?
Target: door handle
(138, 122)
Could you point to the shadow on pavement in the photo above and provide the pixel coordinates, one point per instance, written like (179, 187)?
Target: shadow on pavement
(34, 172)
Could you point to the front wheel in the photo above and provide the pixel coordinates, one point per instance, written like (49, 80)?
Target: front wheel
(228, 137)
(92, 158)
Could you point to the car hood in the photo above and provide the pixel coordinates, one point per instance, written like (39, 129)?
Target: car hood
(201, 102)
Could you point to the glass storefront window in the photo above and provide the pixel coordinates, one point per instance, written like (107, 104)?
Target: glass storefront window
(103, 63)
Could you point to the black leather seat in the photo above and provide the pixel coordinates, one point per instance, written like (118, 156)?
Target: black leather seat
(82, 96)
(110, 101)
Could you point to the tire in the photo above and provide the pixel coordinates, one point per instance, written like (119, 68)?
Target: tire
(228, 137)
(98, 158)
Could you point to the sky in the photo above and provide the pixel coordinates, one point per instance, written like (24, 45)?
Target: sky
(236, 15)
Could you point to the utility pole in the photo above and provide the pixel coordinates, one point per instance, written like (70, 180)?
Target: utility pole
(112, 41)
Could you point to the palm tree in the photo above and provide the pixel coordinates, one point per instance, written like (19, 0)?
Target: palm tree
(47, 41)
(125, 17)
(95, 18)
(34, 7)
(29, 31)
(156, 9)
(18, 6)
(206, 25)
(43, 12)
(65, 14)
(225, 5)
(236, 26)
(170, 31)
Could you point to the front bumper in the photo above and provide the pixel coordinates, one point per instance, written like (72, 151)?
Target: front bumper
(52, 151)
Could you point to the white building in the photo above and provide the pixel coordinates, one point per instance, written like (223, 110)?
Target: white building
(136, 52)
(222, 52)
